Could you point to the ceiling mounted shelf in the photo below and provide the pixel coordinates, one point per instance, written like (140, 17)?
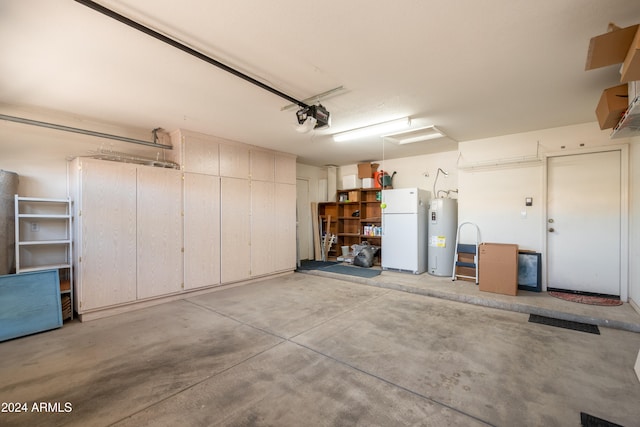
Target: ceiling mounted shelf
(629, 124)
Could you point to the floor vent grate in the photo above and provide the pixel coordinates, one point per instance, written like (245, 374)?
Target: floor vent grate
(587, 420)
(567, 324)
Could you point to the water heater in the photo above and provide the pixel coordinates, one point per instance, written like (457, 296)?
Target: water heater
(443, 225)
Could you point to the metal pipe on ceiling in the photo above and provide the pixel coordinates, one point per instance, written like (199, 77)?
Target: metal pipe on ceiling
(136, 25)
(82, 131)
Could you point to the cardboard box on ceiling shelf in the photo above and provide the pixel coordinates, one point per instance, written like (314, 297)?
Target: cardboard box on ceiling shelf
(631, 65)
(498, 268)
(613, 103)
(611, 47)
(366, 170)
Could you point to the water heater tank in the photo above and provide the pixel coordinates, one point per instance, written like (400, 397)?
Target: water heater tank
(443, 226)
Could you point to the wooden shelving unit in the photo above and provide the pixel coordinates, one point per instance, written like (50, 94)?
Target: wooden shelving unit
(355, 218)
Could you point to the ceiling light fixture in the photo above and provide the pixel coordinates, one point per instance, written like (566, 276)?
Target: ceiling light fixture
(414, 135)
(376, 129)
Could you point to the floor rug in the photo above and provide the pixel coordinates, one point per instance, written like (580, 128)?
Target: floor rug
(352, 271)
(586, 299)
(314, 265)
(566, 324)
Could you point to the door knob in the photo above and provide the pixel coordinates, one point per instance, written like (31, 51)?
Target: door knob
(551, 230)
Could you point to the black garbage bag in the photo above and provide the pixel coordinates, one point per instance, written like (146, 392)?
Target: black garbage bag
(364, 257)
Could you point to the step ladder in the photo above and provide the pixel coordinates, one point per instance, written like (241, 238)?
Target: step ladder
(469, 252)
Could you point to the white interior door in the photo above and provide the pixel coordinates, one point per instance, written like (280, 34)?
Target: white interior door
(584, 222)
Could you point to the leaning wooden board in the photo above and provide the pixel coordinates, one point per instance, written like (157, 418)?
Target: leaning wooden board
(29, 303)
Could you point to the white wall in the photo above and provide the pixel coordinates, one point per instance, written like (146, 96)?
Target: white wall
(494, 176)
(39, 155)
(416, 171)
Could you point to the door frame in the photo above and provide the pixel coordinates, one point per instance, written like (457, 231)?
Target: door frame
(624, 210)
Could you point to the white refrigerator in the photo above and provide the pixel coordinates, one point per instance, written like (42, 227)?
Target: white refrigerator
(404, 229)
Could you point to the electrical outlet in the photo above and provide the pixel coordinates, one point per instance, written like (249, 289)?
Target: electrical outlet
(35, 226)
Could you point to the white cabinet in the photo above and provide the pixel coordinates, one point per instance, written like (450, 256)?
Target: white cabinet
(263, 228)
(273, 227)
(159, 231)
(285, 226)
(144, 233)
(201, 230)
(43, 230)
(128, 232)
(234, 160)
(105, 239)
(285, 168)
(235, 206)
(195, 152)
(262, 165)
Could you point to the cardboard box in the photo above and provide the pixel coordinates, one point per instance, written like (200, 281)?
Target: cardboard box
(610, 48)
(498, 268)
(351, 181)
(613, 103)
(631, 65)
(366, 170)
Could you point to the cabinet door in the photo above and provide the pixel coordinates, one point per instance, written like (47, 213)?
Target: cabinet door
(285, 170)
(194, 152)
(235, 205)
(263, 227)
(201, 230)
(106, 234)
(262, 165)
(159, 218)
(234, 160)
(285, 226)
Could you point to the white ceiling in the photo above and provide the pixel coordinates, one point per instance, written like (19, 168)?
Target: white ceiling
(474, 68)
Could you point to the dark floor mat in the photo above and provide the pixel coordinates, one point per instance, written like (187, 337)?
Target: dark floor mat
(590, 421)
(314, 265)
(567, 324)
(352, 271)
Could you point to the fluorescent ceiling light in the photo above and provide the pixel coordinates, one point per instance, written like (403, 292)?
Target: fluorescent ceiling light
(414, 135)
(377, 129)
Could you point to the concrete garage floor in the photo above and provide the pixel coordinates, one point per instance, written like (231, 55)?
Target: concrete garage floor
(312, 350)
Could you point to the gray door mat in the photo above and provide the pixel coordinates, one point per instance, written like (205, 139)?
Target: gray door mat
(314, 265)
(352, 271)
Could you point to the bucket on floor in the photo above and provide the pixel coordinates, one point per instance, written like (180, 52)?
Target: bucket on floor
(345, 250)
